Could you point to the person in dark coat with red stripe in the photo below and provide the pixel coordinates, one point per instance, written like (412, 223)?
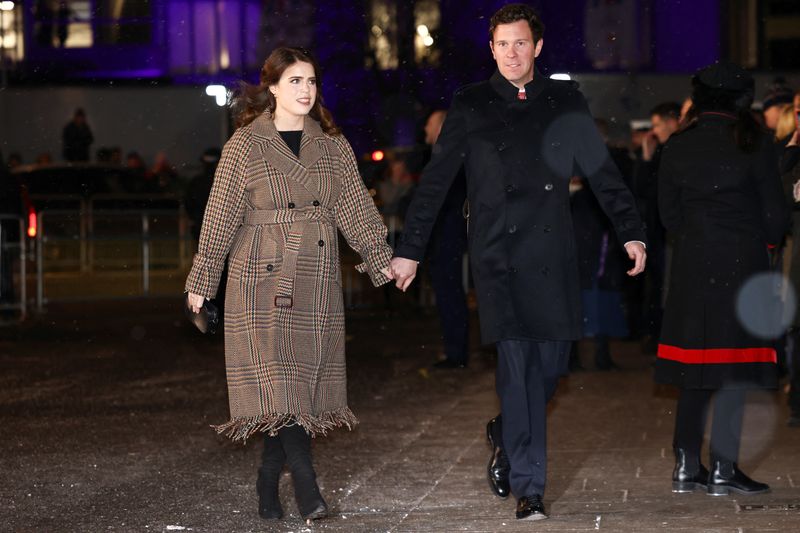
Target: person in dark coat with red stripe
(720, 196)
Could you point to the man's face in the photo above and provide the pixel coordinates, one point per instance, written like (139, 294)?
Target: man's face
(514, 51)
(663, 127)
(771, 116)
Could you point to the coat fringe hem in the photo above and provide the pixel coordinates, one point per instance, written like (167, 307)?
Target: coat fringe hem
(241, 428)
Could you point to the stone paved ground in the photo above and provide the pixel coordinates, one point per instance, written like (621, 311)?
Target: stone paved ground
(104, 414)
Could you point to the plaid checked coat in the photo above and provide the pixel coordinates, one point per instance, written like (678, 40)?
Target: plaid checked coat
(275, 217)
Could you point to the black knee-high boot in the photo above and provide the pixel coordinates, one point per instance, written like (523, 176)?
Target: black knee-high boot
(297, 446)
(272, 460)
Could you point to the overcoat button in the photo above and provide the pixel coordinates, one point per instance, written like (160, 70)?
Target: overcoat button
(547, 229)
(315, 203)
(270, 268)
(509, 188)
(512, 229)
(545, 271)
(291, 205)
(548, 187)
(321, 242)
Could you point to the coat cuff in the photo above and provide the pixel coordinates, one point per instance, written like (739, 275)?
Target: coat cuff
(376, 260)
(204, 277)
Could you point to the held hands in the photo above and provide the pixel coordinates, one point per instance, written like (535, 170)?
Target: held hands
(403, 272)
(638, 255)
(195, 302)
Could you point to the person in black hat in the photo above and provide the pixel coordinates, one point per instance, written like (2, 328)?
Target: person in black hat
(720, 196)
(778, 96)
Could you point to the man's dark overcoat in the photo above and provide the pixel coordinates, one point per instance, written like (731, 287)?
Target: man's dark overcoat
(518, 157)
(723, 206)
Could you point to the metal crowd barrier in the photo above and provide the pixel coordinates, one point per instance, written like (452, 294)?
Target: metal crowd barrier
(11, 253)
(86, 250)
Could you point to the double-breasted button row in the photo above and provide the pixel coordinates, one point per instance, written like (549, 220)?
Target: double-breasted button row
(291, 205)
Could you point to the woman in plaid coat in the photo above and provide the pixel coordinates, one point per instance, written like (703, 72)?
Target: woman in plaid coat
(286, 182)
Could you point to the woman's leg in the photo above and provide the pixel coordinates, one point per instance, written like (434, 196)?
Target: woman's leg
(297, 446)
(269, 474)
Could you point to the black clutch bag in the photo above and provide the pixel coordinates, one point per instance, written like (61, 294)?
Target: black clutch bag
(206, 320)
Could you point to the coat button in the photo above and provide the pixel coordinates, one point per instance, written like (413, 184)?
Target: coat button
(545, 271)
(512, 270)
(547, 229)
(509, 188)
(512, 228)
(291, 205)
(315, 203)
(321, 243)
(270, 268)
(548, 187)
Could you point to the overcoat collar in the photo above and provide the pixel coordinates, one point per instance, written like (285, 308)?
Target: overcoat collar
(509, 91)
(275, 151)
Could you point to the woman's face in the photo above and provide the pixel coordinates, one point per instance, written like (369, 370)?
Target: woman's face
(296, 91)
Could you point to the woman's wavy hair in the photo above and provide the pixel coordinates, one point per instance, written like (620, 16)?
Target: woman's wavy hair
(746, 131)
(249, 101)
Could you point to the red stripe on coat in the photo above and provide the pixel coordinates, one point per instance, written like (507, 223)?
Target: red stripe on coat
(717, 355)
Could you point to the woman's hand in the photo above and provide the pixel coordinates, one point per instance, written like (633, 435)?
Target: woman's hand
(196, 302)
(388, 273)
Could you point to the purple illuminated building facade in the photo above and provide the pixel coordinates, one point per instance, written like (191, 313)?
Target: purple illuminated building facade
(385, 62)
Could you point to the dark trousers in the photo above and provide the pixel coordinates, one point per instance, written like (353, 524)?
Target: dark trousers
(726, 427)
(527, 376)
(446, 276)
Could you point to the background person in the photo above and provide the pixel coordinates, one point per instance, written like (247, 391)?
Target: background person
(446, 256)
(720, 194)
(286, 181)
(77, 138)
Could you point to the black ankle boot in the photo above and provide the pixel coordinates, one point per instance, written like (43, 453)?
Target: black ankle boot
(269, 475)
(297, 445)
(726, 478)
(689, 474)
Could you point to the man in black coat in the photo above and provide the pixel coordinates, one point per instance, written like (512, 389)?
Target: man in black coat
(520, 137)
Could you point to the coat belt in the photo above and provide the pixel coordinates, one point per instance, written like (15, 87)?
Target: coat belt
(298, 218)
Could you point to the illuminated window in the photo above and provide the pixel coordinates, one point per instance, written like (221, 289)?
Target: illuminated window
(426, 21)
(383, 35)
(11, 42)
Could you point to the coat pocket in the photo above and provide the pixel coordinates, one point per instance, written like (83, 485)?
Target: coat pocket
(260, 260)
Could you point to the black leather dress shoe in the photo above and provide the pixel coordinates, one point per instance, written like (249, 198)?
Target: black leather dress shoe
(726, 478)
(530, 508)
(499, 468)
(688, 474)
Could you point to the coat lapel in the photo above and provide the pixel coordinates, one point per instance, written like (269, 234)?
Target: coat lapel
(278, 155)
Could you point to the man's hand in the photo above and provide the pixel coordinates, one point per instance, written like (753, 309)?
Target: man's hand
(649, 144)
(403, 271)
(195, 302)
(638, 255)
(387, 272)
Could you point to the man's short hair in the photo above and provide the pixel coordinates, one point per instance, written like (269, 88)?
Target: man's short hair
(667, 110)
(515, 12)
